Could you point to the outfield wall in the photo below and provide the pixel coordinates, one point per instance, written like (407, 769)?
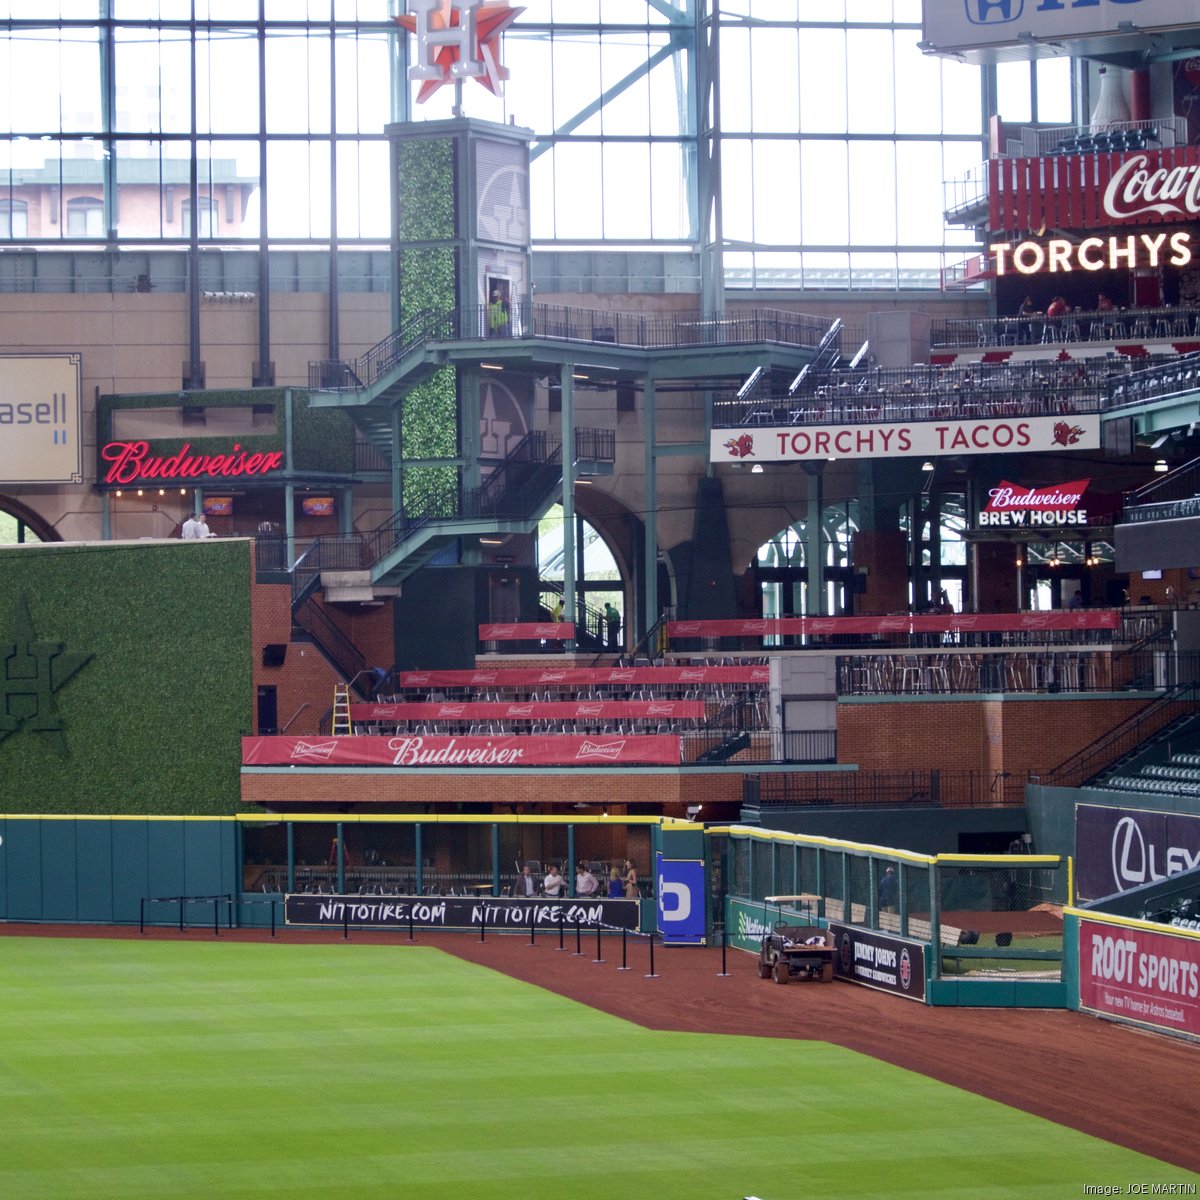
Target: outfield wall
(77, 869)
(97, 870)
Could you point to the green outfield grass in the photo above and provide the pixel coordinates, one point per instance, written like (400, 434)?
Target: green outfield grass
(160, 1069)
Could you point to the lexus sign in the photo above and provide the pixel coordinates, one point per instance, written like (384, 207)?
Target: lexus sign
(1117, 849)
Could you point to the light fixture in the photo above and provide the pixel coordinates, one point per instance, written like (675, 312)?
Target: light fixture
(491, 366)
(487, 541)
(162, 491)
(117, 493)
(1161, 466)
(757, 469)
(751, 380)
(927, 465)
(140, 492)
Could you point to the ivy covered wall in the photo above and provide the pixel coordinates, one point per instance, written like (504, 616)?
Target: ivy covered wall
(128, 679)
(322, 438)
(427, 281)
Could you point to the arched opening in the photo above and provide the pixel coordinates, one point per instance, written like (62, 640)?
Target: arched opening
(19, 524)
(936, 522)
(598, 580)
(782, 567)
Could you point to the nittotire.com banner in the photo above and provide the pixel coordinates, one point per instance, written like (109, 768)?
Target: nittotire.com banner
(458, 912)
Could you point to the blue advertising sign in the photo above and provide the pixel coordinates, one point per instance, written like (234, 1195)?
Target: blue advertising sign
(680, 891)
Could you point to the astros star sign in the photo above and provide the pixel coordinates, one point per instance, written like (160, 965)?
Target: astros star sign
(457, 40)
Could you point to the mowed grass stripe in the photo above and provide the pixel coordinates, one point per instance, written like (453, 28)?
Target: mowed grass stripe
(168, 1069)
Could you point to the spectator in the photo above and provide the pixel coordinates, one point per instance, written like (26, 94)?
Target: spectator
(615, 888)
(554, 884)
(1027, 309)
(1058, 307)
(1076, 600)
(586, 884)
(632, 891)
(526, 885)
(557, 610)
(612, 622)
(497, 314)
(889, 890)
(191, 527)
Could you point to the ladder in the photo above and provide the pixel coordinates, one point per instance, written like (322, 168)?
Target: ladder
(341, 710)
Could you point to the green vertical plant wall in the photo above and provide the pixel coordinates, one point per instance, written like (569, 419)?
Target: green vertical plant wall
(427, 282)
(131, 684)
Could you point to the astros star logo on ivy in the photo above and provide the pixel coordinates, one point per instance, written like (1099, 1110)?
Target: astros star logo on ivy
(456, 40)
(32, 671)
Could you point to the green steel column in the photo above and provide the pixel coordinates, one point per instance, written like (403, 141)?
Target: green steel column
(341, 859)
(570, 871)
(814, 548)
(568, 491)
(291, 857)
(419, 858)
(650, 507)
(495, 859)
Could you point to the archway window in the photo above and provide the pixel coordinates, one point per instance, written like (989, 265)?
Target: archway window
(14, 218)
(85, 217)
(597, 576)
(782, 567)
(15, 530)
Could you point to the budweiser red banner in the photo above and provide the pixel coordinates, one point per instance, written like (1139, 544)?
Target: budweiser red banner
(412, 751)
(574, 710)
(1139, 975)
(1057, 619)
(533, 677)
(528, 631)
(1093, 191)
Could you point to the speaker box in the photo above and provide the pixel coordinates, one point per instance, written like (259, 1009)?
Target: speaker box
(274, 653)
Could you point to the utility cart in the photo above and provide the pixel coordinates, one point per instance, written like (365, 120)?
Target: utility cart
(796, 952)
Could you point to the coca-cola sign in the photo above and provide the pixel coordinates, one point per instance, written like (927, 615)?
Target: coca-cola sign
(132, 463)
(1138, 188)
(1072, 193)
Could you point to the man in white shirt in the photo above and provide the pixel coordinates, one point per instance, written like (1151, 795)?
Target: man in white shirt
(554, 884)
(585, 882)
(191, 528)
(202, 529)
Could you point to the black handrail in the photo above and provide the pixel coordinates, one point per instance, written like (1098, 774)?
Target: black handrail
(561, 323)
(1176, 703)
(342, 653)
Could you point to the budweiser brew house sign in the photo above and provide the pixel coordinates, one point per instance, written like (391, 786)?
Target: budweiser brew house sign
(131, 464)
(1011, 506)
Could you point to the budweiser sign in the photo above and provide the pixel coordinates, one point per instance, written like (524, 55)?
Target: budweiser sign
(1136, 189)
(1057, 504)
(133, 463)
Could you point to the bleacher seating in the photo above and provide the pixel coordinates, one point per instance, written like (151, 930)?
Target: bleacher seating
(1180, 775)
(1110, 141)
